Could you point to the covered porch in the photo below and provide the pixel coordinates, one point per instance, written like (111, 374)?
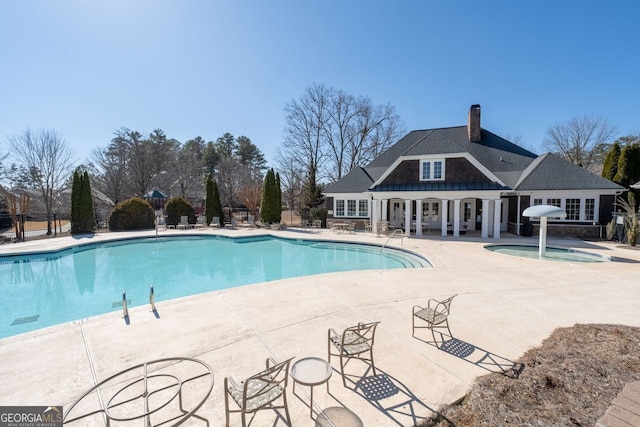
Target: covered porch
(446, 213)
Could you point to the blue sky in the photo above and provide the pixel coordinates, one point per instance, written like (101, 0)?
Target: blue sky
(87, 68)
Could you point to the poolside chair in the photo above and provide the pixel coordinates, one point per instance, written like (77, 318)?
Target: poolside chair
(259, 391)
(356, 342)
(184, 222)
(436, 316)
(215, 222)
(316, 225)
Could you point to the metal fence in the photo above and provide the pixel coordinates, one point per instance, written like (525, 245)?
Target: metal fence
(20, 228)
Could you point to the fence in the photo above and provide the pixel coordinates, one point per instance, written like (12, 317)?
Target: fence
(21, 228)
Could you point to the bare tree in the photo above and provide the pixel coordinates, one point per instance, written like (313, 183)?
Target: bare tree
(291, 178)
(331, 132)
(48, 160)
(581, 140)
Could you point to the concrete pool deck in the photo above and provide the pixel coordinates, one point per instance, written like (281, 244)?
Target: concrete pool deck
(506, 305)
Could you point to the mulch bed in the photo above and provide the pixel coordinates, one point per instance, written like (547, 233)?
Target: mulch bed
(570, 380)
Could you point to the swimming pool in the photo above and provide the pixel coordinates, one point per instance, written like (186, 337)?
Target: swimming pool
(551, 253)
(45, 289)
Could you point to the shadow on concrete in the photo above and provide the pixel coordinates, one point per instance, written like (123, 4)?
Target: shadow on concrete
(391, 397)
(480, 357)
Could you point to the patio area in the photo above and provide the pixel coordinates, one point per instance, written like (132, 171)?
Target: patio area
(505, 306)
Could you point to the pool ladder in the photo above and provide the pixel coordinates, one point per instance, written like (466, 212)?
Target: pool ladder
(398, 232)
(152, 301)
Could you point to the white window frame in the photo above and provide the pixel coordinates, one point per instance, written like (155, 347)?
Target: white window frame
(431, 175)
(344, 213)
(545, 198)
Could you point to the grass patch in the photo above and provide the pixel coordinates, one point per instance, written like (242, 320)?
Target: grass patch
(570, 380)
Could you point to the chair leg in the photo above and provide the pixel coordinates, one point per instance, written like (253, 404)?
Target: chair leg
(286, 407)
(373, 366)
(344, 382)
(433, 334)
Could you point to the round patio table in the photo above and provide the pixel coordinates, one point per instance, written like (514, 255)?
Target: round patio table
(311, 371)
(148, 388)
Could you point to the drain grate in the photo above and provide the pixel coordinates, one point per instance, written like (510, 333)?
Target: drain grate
(22, 320)
(119, 303)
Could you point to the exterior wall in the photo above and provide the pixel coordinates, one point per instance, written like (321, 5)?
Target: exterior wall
(407, 171)
(461, 170)
(456, 170)
(580, 231)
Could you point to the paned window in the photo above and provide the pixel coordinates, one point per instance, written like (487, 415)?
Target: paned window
(466, 213)
(432, 170)
(351, 208)
(589, 209)
(572, 208)
(363, 208)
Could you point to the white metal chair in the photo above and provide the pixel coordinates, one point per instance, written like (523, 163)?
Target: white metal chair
(435, 315)
(259, 391)
(356, 342)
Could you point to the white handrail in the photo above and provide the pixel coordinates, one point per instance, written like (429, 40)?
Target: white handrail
(397, 231)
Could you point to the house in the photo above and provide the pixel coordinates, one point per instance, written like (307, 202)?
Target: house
(457, 179)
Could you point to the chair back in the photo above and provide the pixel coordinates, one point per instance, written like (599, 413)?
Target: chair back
(359, 338)
(442, 308)
(184, 220)
(266, 386)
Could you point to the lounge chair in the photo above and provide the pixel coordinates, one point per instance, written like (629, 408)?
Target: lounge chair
(215, 222)
(184, 222)
(436, 316)
(316, 225)
(259, 391)
(354, 343)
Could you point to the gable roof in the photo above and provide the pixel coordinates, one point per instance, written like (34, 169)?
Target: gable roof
(516, 167)
(551, 172)
(495, 153)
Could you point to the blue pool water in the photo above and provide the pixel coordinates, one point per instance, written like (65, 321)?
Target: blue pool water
(47, 289)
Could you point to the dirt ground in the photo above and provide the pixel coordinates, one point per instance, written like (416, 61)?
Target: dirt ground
(570, 380)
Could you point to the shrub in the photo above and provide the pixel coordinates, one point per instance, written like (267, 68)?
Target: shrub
(132, 214)
(178, 207)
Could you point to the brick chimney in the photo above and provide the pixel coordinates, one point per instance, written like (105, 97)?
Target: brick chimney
(473, 125)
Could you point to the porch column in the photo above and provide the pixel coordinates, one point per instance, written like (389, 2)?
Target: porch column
(385, 202)
(419, 218)
(407, 217)
(497, 209)
(456, 218)
(375, 213)
(445, 214)
(484, 233)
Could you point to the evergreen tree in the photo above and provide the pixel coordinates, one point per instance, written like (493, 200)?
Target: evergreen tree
(610, 167)
(628, 166)
(208, 202)
(86, 205)
(216, 204)
(82, 219)
(269, 211)
(75, 204)
(278, 191)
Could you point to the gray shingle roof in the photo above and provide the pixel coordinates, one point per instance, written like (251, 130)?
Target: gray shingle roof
(516, 167)
(495, 153)
(356, 181)
(550, 172)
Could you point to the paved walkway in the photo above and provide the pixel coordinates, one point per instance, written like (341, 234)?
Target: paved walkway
(505, 306)
(625, 409)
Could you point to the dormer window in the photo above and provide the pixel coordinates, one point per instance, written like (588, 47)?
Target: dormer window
(432, 170)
